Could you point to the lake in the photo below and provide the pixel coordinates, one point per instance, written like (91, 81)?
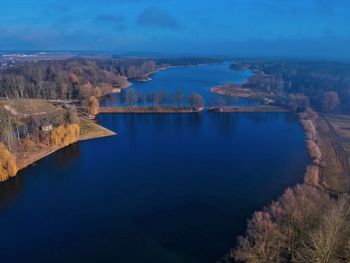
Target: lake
(169, 188)
(198, 79)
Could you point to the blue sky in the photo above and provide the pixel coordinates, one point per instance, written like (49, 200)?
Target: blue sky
(237, 27)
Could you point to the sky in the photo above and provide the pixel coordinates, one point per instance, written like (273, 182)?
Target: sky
(229, 27)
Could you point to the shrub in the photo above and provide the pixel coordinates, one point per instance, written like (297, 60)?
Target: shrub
(65, 135)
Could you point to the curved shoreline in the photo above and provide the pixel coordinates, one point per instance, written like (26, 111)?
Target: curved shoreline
(89, 131)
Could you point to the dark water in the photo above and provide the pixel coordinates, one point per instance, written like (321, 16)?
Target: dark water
(168, 188)
(198, 79)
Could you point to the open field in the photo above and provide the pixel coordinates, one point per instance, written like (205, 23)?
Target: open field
(90, 130)
(334, 132)
(27, 107)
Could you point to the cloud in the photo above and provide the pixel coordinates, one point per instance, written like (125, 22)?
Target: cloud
(157, 17)
(116, 22)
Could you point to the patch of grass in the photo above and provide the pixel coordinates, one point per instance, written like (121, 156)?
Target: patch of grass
(29, 106)
(333, 173)
(90, 130)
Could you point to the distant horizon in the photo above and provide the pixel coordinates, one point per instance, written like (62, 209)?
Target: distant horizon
(155, 54)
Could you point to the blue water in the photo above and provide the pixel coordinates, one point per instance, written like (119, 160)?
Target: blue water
(168, 188)
(198, 79)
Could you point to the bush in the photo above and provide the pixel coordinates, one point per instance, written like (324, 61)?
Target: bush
(65, 135)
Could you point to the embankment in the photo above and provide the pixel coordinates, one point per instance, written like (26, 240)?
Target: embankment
(248, 109)
(150, 109)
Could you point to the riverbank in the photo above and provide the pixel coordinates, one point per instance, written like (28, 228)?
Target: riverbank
(88, 131)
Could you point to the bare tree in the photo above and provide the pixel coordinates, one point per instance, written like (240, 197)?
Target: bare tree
(330, 102)
(327, 244)
(263, 242)
(179, 97)
(196, 100)
(131, 97)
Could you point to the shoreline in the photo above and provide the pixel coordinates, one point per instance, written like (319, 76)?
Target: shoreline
(95, 131)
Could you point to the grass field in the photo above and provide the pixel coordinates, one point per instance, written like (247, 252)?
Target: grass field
(91, 130)
(29, 106)
(334, 131)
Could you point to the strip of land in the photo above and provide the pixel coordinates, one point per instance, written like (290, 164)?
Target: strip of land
(150, 109)
(248, 109)
(235, 90)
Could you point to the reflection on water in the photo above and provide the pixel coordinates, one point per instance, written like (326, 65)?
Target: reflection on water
(67, 155)
(9, 191)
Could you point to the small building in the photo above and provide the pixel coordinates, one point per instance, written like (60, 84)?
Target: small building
(47, 128)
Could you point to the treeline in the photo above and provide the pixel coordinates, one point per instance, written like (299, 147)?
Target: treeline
(187, 61)
(304, 225)
(69, 79)
(80, 78)
(326, 84)
(131, 97)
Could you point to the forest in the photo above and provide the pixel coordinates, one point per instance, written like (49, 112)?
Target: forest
(325, 84)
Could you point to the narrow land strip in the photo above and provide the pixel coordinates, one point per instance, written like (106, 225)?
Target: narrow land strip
(103, 110)
(150, 109)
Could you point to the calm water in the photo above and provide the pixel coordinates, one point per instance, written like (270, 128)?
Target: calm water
(169, 188)
(197, 79)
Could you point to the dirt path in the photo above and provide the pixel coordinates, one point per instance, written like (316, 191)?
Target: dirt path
(339, 149)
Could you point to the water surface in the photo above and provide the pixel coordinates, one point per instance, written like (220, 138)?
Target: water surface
(198, 79)
(169, 188)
